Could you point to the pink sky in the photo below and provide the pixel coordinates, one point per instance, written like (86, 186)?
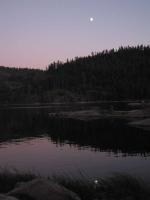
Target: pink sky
(35, 33)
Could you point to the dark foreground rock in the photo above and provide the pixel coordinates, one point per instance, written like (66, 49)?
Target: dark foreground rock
(42, 189)
(5, 197)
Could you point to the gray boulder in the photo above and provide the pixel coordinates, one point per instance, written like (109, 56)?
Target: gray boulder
(43, 189)
(5, 197)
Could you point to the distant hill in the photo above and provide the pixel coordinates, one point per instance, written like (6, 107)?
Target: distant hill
(122, 74)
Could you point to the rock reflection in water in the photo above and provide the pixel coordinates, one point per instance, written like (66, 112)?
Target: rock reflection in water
(102, 135)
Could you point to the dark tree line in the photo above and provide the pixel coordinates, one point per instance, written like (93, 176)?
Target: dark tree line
(108, 75)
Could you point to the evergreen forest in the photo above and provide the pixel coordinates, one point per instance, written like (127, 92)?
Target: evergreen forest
(122, 74)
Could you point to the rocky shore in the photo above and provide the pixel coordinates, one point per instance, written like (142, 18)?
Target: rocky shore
(137, 115)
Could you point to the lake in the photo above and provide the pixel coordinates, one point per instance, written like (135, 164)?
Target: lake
(31, 140)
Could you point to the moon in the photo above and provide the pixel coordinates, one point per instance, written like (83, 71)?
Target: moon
(91, 19)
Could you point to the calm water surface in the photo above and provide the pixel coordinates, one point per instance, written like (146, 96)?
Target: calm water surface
(31, 141)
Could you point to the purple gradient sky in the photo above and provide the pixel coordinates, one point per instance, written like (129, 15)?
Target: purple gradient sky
(34, 33)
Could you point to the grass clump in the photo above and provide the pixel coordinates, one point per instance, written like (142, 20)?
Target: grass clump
(116, 187)
(123, 187)
(83, 187)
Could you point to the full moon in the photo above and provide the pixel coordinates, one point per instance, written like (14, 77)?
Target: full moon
(91, 19)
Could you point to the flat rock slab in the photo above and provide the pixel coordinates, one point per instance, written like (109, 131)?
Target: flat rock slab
(43, 189)
(84, 115)
(5, 197)
(94, 114)
(143, 124)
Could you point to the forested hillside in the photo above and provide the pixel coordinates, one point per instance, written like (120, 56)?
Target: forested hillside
(108, 75)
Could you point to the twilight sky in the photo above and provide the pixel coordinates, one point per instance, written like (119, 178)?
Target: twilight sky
(34, 33)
